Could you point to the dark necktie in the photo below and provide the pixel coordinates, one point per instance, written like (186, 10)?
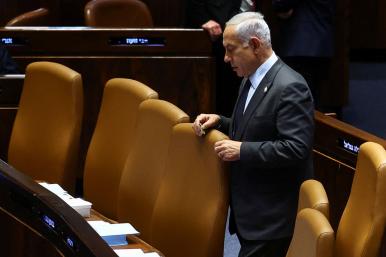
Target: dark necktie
(239, 112)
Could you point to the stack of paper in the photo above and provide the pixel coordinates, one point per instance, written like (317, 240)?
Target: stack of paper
(134, 253)
(129, 252)
(113, 234)
(81, 206)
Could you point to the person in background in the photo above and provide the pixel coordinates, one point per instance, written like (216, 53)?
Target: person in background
(211, 16)
(7, 65)
(306, 40)
(271, 134)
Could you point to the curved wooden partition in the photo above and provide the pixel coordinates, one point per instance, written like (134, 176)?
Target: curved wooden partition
(335, 154)
(26, 208)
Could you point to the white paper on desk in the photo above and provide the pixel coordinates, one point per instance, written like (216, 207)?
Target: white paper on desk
(153, 254)
(57, 190)
(129, 252)
(54, 188)
(70, 200)
(113, 234)
(81, 206)
(78, 202)
(106, 229)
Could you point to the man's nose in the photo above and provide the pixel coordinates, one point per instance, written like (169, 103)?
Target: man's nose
(226, 58)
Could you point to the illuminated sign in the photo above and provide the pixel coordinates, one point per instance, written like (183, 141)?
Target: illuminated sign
(136, 41)
(7, 40)
(348, 146)
(48, 221)
(12, 41)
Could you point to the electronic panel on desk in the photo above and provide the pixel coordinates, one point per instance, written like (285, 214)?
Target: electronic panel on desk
(50, 216)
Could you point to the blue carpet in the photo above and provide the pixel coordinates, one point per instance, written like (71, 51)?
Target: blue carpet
(231, 243)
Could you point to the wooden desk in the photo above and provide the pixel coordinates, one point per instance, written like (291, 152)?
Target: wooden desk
(335, 162)
(134, 242)
(10, 90)
(35, 222)
(168, 63)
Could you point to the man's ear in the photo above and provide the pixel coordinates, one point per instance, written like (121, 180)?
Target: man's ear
(255, 43)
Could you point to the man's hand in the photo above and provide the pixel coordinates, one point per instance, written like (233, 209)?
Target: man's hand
(228, 150)
(213, 28)
(205, 121)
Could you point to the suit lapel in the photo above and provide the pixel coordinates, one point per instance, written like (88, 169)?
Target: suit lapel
(258, 96)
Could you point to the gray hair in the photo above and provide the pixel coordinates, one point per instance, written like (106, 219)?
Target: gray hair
(251, 24)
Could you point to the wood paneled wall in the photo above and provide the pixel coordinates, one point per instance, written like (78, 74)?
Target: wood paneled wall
(368, 24)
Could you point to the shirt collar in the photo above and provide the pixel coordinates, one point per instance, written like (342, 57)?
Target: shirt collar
(259, 74)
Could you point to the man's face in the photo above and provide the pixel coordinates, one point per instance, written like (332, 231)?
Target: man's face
(241, 56)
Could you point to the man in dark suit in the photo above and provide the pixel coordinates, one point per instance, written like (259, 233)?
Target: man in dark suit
(7, 65)
(271, 134)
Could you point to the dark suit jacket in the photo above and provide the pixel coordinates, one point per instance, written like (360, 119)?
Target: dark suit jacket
(7, 65)
(201, 11)
(309, 31)
(277, 135)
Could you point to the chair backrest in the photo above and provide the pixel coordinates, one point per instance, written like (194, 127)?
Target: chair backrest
(362, 224)
(38, 17)
(111, 142)
(191, 208)
(45, 136)
(312, 195)
(145, 166)
(117, 13)
(313, 235)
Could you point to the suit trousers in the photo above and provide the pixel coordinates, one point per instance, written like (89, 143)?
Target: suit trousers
(264, 248)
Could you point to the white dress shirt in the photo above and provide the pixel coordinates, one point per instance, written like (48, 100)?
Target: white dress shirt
(258, 76)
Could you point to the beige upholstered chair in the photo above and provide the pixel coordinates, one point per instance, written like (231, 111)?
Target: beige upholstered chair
(312, 195)
(191, 208)
(45, 136)
(313, 235)
(111, 142)
(117, 13)
(145, 167)
(38, 17)
(363, 221)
